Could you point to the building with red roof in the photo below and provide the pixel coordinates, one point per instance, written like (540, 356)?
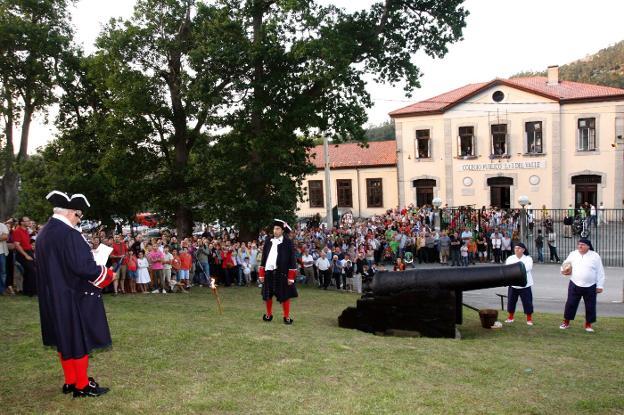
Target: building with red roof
(363, 179)
(558, 142)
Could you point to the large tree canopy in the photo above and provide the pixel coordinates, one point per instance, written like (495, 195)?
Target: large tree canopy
(34, 41)
(226, 95)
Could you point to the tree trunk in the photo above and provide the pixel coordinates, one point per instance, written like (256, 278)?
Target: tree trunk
(247, 234)
(8, 193)
(184, 221)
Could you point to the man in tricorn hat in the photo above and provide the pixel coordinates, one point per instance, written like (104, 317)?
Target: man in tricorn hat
(71, 309)
(584, 267)
(277, 271)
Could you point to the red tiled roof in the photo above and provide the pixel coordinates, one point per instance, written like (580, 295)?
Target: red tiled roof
(351, 155)
(564, 91)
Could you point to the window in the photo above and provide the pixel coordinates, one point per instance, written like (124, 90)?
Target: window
(498, 96)
(374, 193)
(534, 137)
(423, 146)
(586, 134)
(315, 192)
(500, 144)
(343, 187)
(466, 142)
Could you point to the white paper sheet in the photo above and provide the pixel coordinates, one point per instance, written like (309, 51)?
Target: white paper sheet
(101, 254)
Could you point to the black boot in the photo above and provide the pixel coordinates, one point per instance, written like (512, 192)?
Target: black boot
(267, 318)
(69, 388)
(92, 390)
(288, 320)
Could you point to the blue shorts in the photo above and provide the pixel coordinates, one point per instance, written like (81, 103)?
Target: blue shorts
(183, 274)
(132, 274)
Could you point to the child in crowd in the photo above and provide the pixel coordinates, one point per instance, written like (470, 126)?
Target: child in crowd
(143, 277)
(131, 264)
(175, 265)
(247, 271)
(186, 260)
(464, 254)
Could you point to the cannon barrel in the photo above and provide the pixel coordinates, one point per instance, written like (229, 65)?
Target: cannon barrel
(459, 279)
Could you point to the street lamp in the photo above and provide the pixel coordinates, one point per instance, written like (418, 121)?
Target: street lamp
(436, 202)
(523, 200)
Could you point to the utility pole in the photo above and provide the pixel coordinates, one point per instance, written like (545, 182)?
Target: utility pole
(329, 219)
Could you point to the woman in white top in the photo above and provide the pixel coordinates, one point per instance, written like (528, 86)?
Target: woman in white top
(525, 293)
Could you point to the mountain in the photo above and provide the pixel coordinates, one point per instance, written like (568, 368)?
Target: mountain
(603, 68)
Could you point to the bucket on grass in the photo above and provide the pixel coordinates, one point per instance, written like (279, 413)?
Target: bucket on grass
(488, 317)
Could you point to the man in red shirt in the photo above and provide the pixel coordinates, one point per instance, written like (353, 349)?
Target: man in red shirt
(25, 255)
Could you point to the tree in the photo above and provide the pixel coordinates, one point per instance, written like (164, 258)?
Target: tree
(305, 65)
(34, 41)
(226, 97)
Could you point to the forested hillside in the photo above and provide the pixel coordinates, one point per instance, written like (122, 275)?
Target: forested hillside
(605, 67)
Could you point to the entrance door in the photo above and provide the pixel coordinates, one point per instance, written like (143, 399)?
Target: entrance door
(500, 191)
(424, 191)
(424, 196)
(499, 196)
(585, 193)
(586, 189)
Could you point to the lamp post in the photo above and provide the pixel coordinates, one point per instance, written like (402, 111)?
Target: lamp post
(523, 200)
(436, 202)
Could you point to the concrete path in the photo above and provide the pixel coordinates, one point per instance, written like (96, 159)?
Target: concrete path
(550, 291)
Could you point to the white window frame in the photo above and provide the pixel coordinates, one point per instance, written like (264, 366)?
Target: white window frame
(416, 143)
(583, 126)
(526, 137)
(473, 143)
(507, 151)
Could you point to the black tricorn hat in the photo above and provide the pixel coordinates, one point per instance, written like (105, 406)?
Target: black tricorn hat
(282, 224)
(62, 200)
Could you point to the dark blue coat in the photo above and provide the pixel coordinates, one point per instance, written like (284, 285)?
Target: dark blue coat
(72, 312)
(276, 282)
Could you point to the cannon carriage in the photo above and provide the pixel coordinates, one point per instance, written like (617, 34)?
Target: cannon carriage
(427, 301)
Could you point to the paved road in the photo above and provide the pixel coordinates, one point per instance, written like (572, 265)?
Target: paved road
(550, 292)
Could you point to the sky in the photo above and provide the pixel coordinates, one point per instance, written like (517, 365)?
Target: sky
(501, 38)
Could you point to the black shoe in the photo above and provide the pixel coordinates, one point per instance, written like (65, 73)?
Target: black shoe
(288, 320)
(69, 388)
(92, 390)
(267, 318)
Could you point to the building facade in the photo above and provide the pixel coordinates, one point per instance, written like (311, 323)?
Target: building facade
(486, 144)
(363, 180)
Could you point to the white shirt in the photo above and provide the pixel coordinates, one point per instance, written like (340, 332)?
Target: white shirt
(4, 248)
(271, 262)
(322, 264)
(528, 265)
(587, 269)
(308, 261)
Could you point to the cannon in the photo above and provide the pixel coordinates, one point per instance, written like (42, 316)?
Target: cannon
(427, 301)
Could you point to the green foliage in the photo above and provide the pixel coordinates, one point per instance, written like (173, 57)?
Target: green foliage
(35, 40)
(381, 132)
(603, 68)
(225, 98)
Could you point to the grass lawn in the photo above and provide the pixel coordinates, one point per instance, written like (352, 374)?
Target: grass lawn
(176, 354)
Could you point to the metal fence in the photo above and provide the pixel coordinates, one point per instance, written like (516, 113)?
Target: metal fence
(605, 229)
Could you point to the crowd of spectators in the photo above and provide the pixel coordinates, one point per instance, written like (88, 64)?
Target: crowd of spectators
(339, 257)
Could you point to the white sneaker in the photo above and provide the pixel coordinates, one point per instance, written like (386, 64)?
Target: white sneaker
(156, 291)
(164, 291)
(564, 326)
(529, 323)
(509, 320)
(589, 329)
